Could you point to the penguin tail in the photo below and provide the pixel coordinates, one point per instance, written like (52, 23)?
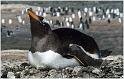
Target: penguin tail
(104, 53)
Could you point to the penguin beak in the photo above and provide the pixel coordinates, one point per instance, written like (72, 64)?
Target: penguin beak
(34, 16)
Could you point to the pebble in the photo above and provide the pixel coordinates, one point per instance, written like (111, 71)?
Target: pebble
(77, 70)
(18, 75)
(52, 73)
(10, 75)
(96, 71)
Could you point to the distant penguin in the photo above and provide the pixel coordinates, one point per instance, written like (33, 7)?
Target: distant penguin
(9, 33)
(109, 21)
(81, 25)
(90, 20)
(57, 23)
(54, 48)
(3, 21)
(87, 24)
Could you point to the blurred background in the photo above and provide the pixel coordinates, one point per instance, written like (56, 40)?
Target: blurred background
(103, 20)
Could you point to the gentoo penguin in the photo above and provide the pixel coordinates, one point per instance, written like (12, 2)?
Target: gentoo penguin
(54, 48)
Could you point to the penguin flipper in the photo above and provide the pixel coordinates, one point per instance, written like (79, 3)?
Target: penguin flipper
(81, 54)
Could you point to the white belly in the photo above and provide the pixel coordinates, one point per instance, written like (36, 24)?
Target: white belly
(50, 59)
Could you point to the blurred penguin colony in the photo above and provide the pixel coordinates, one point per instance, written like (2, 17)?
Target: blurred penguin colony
(58, 17)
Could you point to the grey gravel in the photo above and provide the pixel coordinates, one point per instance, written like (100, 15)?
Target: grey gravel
(109, 69)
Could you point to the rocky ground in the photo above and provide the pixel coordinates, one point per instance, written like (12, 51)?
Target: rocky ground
(15, 65)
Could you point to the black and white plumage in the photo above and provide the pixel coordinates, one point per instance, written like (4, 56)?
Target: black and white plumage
(54, 48)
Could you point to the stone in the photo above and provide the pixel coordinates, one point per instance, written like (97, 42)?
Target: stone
(96, 71)
(4, 74)
(52, 73)
(18, 75)
(11, 75)
(77, 70)
(85, 75)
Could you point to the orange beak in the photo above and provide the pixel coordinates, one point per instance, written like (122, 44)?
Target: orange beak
(33, 15)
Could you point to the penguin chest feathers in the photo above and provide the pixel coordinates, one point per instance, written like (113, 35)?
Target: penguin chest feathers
(50, 59)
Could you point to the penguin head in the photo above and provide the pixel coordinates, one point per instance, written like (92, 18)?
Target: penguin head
(38, 26)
